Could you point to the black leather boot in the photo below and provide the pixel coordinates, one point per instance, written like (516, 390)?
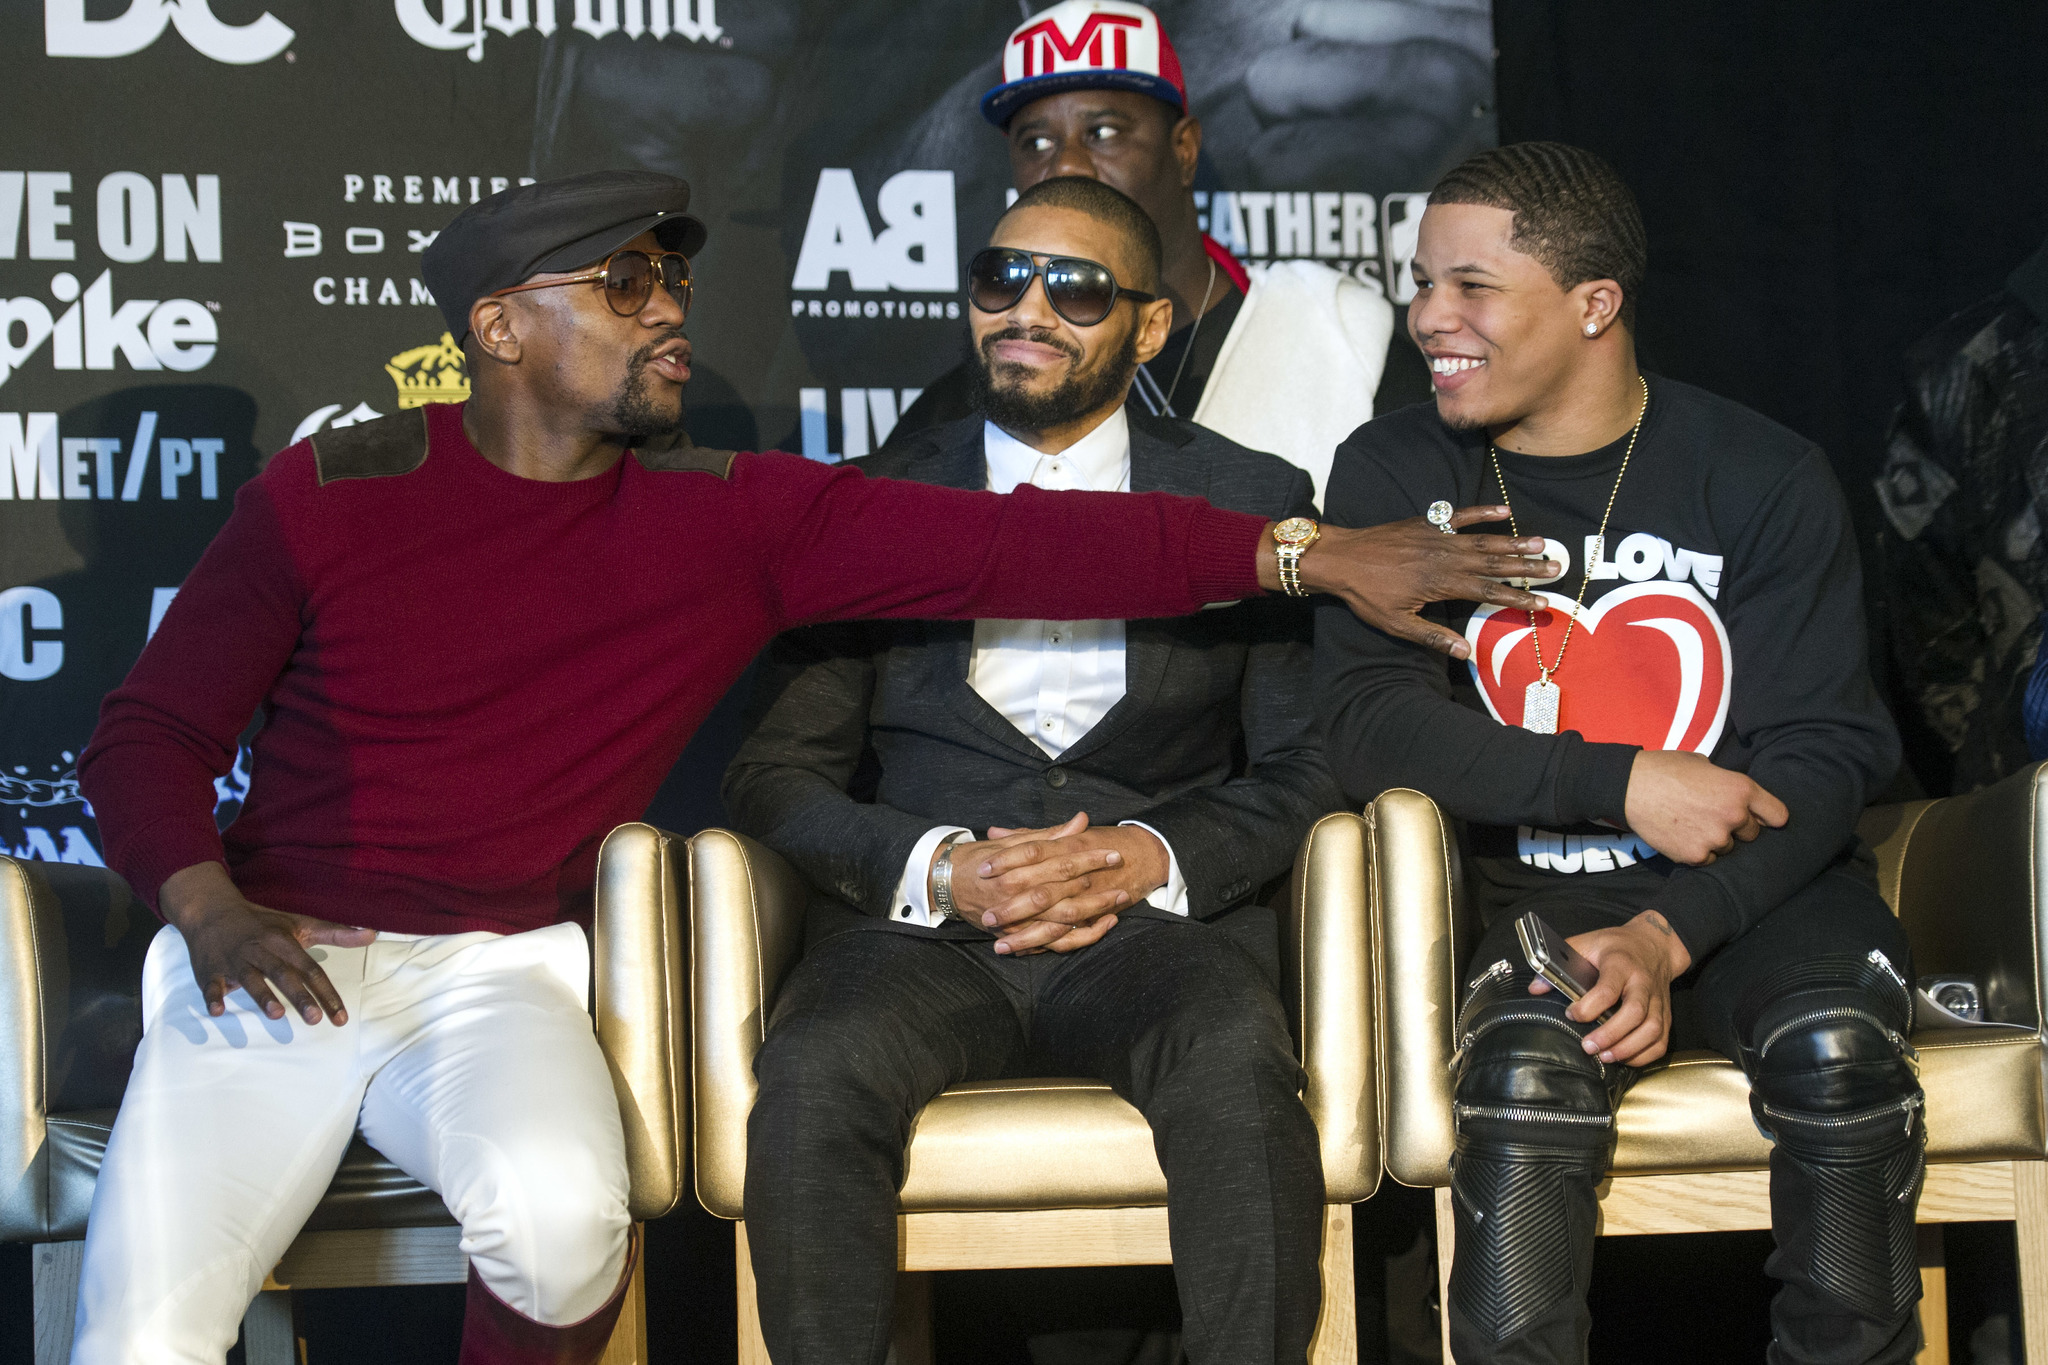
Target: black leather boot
(1535, 1119)
(1832, 1082)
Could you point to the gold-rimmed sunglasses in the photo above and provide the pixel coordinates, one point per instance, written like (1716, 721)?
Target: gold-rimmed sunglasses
(628, 278)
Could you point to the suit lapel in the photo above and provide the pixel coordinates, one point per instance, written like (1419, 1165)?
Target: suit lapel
(1159, 464)
(964, 464)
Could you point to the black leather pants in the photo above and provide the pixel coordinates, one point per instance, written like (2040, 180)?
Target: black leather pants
(1814, 1006)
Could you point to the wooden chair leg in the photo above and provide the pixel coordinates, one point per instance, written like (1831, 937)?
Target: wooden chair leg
(1336, 1338)
(270, 1334)
(1446, 1247)
(2030, 1227)
(910, 1331)
(628, 1345)
(753, 1346)
(1933, 1298)
(56, 1269)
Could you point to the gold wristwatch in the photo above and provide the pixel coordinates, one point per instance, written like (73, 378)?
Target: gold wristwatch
(1292, 538)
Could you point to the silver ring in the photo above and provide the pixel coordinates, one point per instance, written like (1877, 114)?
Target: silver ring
(1439, 515)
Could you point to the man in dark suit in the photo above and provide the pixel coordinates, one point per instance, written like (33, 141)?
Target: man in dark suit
(1139, 783)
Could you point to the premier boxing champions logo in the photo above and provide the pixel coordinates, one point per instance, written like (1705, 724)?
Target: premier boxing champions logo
(358, 240)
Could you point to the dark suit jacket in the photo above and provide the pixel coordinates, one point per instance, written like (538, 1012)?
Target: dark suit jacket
(1214, 744)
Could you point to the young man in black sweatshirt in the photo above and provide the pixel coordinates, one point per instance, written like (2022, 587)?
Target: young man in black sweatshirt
(1667, 766)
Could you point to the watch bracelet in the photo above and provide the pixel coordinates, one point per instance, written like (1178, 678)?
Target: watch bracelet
(1289, 558)
(942, 877)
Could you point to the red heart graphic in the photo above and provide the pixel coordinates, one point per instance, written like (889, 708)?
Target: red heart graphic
(1648, 665)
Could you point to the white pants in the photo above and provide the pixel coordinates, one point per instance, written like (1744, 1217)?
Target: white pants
(468, 1060)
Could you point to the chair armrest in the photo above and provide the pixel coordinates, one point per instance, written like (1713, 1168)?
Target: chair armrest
(1424, 933)
(72, 943)
(1967, 877)
(27, 928)
(1328, 965)
(641, 1004)
(746, 931)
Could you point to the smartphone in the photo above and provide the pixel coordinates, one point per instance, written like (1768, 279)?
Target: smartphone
(1553, 959)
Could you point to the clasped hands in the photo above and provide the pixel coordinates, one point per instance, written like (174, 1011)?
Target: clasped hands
(1058, 888)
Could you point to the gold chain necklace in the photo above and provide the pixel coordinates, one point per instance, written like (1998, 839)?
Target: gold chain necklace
(1541, 700)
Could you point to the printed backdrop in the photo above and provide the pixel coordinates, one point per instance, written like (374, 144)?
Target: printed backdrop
(211, 214)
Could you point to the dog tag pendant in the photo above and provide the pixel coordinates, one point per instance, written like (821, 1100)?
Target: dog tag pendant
(1539, 707)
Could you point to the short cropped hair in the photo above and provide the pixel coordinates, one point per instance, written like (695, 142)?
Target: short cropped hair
(1107, 205)
(1573, 213)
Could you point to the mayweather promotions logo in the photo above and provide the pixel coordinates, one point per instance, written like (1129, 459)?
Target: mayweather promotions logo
(430, 374)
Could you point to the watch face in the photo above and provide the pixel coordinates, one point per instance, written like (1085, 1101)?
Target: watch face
(1295, 531)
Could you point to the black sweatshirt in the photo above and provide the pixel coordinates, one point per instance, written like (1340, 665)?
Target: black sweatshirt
(1725, 617)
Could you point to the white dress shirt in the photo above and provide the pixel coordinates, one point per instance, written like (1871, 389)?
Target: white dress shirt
(1053, 680)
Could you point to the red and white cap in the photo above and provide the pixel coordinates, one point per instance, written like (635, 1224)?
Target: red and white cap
(1086, 45)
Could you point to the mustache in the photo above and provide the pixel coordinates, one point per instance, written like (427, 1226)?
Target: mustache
(643, 357)
(1042, 336)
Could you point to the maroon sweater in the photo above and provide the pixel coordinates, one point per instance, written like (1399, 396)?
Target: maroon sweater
(468, 678)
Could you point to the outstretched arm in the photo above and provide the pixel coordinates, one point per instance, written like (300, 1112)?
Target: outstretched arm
(836, 545)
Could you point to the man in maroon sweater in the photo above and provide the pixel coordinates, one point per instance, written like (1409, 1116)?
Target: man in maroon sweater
(479, 635)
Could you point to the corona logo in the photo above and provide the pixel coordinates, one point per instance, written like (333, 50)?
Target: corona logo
(461, 23)
(430, 374)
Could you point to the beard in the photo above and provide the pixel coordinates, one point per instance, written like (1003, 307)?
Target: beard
(634, 411)
(1465, 422)
(999, 385)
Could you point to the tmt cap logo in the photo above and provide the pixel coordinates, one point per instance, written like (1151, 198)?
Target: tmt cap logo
(1041, 49)
(68, 33)
(1086, 45)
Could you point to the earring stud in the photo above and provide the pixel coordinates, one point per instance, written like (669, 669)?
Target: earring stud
(1591, 328)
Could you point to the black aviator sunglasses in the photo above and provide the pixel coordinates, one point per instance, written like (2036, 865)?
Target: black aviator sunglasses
(1081, 291)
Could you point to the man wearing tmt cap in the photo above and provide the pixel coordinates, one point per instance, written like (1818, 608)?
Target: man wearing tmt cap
(479, 635)
(1283, 357)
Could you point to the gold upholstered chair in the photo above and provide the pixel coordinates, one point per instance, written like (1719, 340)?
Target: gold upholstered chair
(1967, 875)
(72, 941)
(746, 916)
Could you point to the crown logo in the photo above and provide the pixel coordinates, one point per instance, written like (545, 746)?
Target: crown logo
(430, 374)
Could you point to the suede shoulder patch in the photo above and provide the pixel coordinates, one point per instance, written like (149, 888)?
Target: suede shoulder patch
(372, 450)
(685, 458)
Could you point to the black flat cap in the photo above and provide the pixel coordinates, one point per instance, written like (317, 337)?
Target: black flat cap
(550, 226)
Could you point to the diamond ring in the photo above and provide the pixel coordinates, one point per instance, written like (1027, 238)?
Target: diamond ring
(1440, 516)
